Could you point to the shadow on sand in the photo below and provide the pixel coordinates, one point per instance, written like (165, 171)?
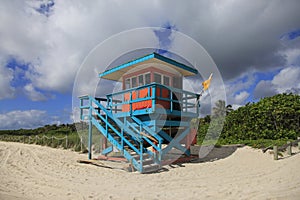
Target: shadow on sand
(200, 154)
(212, 153)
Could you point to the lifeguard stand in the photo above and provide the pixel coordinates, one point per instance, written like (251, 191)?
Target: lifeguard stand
(150, 117)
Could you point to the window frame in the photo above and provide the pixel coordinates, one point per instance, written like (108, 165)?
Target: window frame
(145, 78)
(136, 81)
(169, 78)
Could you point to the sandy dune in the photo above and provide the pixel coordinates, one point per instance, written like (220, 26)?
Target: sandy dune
(36, 172)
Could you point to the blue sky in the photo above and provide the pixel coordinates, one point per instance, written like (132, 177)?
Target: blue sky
(256, 46)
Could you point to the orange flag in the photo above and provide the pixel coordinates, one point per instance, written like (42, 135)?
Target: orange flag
(206, 83)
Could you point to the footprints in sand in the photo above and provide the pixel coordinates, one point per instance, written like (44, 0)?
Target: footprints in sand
(4, 155)
(36, 172)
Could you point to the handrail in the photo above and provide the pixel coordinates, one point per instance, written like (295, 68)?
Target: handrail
(118, 122)
(150, 132)
(184, 99)
(94, 105)
(119, 134)
(152, 84)
(147, 129)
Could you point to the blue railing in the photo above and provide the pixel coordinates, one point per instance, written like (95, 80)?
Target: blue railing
(97, 112)
(177, 101)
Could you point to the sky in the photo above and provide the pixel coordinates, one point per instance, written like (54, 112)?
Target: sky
(255, 45)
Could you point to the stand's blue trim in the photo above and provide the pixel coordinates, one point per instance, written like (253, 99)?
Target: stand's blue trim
(121, 134)
(125, 133)
(107, 150)
(175, 63)
(187, 101)
(90, 130)
(142, 59)
(145, 58)
(175, 142)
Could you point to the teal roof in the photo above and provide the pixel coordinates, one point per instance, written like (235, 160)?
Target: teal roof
(116, 72)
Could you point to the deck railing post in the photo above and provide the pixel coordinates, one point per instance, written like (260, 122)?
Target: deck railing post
(130, 102)
(153, 98)
(171, 100)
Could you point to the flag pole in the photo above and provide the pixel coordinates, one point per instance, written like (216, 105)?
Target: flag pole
(205, 86)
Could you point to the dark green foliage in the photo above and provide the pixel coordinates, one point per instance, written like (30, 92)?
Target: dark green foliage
(271, 119)
(274, 118)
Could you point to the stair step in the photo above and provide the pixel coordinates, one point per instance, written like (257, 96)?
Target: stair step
(147, 161)
(151, 168)
(127, 148)
(137, 157)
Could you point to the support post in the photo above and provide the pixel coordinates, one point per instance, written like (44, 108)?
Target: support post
(289, 148)
(298, 143)
(81, 111)
(90, 129)
(141, 156)
(275, 150)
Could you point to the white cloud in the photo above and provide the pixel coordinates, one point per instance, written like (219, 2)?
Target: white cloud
(23, 119)
(236, 90)
(241, 83)
(264, 88)
(292, 56)
(6, 76)
(27, 119)
(287, 80)
(56, 45)
(33, 94)
(241, 97)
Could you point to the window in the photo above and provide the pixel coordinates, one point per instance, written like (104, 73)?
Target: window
(147, 78)
(166, 80)
(177, 82)
(157, 78)
(141, 80)
(127, 83)
(133, 82)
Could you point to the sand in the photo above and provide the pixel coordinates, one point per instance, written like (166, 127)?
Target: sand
(37, 172)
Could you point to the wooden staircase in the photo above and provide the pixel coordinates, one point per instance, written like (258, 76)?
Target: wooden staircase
(124, 136)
